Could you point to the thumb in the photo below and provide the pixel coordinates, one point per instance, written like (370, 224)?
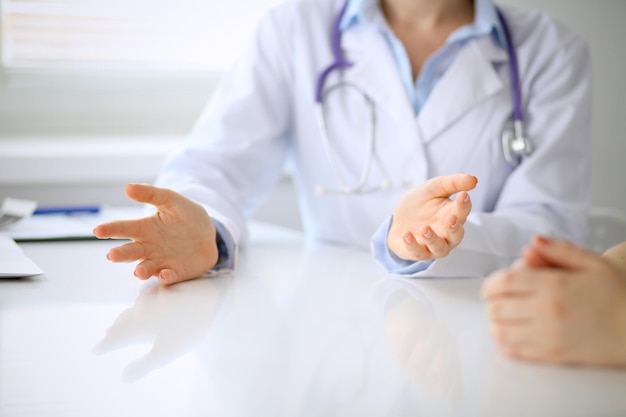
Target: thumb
(445, 186)
(561, 254)
(534, 258)
(162, 198)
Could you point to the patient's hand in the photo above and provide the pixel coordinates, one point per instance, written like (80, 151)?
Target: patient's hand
(561, 304)
(176, 243)
(427, 224)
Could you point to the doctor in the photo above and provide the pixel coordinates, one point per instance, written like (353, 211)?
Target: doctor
(374, 107)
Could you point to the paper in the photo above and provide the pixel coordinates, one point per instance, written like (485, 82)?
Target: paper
(66, 227)
(13, 262)
(13, 210)
(53, 227)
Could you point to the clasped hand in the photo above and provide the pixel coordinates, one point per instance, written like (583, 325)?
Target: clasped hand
(560, 303)
(427, 223)
(175, 244)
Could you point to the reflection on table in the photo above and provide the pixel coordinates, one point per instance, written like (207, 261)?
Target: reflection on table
(299, 329)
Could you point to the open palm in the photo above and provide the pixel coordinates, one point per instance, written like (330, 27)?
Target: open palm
(427, 223)
(176, 243)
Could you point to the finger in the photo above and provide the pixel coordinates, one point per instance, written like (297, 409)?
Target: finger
(560, 253)
(522, 351)
(409, 249)
(463, 206)
(435, 244)
(455, 231)
(146, 269)
(170, 276)
(445, 186)
(519, 263)
(412, 250)
(129, 252)
(513, 338)
(534, 258)
(616, 255)
(510, 282)
(511, 310)
(144, 193)
(491, 286)
(119, 229)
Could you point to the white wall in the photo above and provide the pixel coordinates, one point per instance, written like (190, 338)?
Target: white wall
(601, 23)
(98, 174)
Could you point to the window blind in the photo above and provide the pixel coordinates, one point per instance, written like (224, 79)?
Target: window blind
(127, 34)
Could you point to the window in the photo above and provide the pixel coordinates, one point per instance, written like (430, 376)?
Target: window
(126, 34)
(81, 67)
(94, 93)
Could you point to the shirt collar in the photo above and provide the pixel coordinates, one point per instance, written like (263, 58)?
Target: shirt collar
(486, 21)
(358, 11)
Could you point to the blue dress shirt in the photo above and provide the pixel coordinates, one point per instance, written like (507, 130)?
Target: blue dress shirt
(485, 23)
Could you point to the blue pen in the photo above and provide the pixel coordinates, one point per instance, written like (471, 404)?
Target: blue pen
(67, 210)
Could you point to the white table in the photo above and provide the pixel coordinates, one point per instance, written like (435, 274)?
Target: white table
(300, 329)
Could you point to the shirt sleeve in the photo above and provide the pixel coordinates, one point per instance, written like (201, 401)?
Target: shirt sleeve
(226, 247)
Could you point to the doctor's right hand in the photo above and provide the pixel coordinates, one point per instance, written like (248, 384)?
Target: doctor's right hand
(176, 243)
(427, 223)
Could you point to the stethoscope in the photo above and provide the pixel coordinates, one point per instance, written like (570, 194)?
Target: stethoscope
(515, 143)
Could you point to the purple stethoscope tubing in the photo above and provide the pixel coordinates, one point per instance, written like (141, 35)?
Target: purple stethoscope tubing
(515, 83)
(515, 144)
(341, 63)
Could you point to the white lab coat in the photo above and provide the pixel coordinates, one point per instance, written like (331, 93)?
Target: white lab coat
(262, 119)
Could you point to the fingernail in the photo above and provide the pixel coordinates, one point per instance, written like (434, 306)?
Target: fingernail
(408, 238)
(542, 240)
(108, 256)
(137, 274)
(428, 233)
(453, 224)
(163, 278)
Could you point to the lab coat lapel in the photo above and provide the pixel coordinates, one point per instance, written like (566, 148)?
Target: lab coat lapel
(470, 80)
(374, 71)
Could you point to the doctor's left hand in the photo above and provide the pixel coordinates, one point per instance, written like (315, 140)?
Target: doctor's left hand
(176, 243)
(427, 223)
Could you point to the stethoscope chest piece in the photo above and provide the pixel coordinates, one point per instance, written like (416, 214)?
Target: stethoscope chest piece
(515, 144)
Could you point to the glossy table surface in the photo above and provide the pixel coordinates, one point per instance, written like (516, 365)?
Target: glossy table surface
(299, 329)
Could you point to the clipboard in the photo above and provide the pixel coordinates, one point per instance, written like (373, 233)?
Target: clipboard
(67, 227)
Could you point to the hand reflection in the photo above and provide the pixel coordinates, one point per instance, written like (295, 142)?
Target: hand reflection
(419, 342)
(172, 318)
